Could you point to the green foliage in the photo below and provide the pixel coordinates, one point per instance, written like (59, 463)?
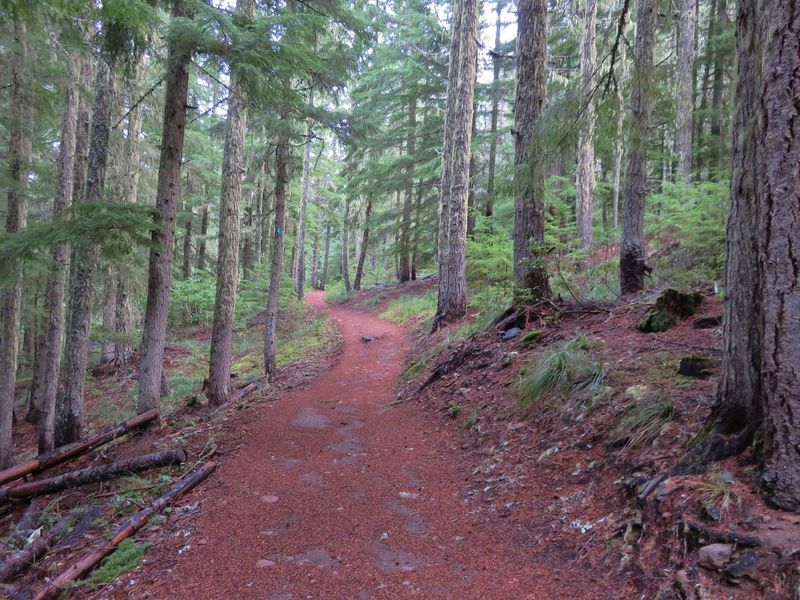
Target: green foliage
(688, 223)
(566, 370)
(453, 409)
(411, 306)
(192, 300)
(335, 292)
(116, 229)
(125, 558)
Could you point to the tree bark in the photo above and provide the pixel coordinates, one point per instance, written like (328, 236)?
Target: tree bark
(300, 270)
(122, 347)
(345, 264)
(201, 249)
(362, 255)
(684, 90)
(530, 274)
(472, 208)
(323, 278)
(779, 236)
(44, 400)
(18, 160)
(718, 149)
(315, 261)
(405, 224)
(93, 474)
(737, 414)
(168, 193)
(276, 268)
(584, 185)
(452, 297)
(219, 364)
(70, 400)
(632, 265)
(186, 267)
(489, 210)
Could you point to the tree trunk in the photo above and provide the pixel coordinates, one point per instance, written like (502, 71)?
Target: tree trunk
(346, 246)
(323, 278)
(737, 414)
(201, 249)
(405, 225)
(168, 193)
(447, 145)
(530, 274)
(632, 245)
(133, 146)
(276, 268)
(70, 401)
(219, 364)
(44, 400)
(489, 211)
(300, 271)
(718, 149)
(779, 236)
(452, 298)
(315, 261)
(18, 160)
(362, 254)
(472, 208)
(584, 185)
(186, 267)
(685, 90)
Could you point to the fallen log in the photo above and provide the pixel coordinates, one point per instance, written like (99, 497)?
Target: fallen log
(127, 529)
(18, 561)
(92, 474)
(70, 451)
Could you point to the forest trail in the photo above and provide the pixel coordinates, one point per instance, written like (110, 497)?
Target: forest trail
(335, 496)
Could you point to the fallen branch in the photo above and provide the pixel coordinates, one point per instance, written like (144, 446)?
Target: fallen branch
(70, 451)
(18, 561)
(93, 474)
(124, 531)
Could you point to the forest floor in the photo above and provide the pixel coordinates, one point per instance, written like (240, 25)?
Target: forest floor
(404, 466)
(338, 493)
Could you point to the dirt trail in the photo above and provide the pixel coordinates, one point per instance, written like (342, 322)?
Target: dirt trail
(335, 496)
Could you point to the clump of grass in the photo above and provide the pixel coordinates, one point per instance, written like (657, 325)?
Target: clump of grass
(410, 306)
(471, 420)
(643, 423)
(567, 370)
(335, 293)
(125, 558)
(717, 493)
(453, 410)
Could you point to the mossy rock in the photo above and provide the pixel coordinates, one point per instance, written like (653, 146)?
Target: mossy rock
(655, 320)
(679, 304)
(696, 365)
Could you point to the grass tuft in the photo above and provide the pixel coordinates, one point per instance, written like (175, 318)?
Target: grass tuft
(643, 423)
(569, 370)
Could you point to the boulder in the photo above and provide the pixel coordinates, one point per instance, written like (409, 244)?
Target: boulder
(715, 556)
(512, 333)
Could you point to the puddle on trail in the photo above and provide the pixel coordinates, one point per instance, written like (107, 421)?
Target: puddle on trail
(312, 478)
(414, 523)
(389, 561)
(309, 417)
(315, 556)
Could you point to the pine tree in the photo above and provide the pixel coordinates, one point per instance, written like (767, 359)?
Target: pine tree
(452, 297)
(584, 184)
(167, 199)
(529, 271)
(632, 256)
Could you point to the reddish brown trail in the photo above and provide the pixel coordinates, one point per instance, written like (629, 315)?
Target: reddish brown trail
(335, 496)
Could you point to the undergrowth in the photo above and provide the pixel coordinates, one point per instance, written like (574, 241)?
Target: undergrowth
(570, 371)
(643, 422)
